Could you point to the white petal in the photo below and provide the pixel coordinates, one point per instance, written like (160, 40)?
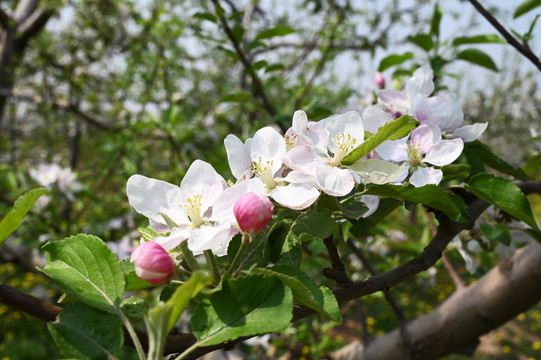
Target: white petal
(426, 175)
(470, 133)
(202, 179)
(374, 117)
(393, 150)
(394, 98)
(442, 110)
(303, 159)
(297, 177)
(421, 82)
(372, 201)
(175, 237)
(150, 197)
(444, 152)
(378, 171)
(310, 132)
(334, 181)
(295, 196)
(268, 146)
(422, 137)
(210, 237)
(238, 155)
(346, 124)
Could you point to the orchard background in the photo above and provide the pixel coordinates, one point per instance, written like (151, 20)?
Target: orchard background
(108, 89)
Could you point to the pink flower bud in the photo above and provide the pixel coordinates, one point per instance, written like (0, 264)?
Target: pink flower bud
(253, 212)
(152, 263)
(379, 80)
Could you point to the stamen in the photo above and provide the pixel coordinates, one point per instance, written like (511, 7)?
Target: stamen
(343, 146)
(291, 140)
(264, 172)
(193, 210)
(415, 154)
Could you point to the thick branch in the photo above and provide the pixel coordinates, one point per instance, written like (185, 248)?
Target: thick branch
(524, 50)
(503, 293)
(4, 20)
(28, 304)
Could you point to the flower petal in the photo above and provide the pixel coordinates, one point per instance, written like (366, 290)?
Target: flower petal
(295, 196)
(348, 124)
(442, 110)
(268, 146)
(374, 117)
(377, 171)
(372, 201)
(470, 133)
(393, 150)
(334, 181)
(202, 179)
(425, 176)
(238, 155)
(421, 82)
(303, 159)
(444, 152)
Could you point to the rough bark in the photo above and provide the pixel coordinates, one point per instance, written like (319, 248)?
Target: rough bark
(455, 326)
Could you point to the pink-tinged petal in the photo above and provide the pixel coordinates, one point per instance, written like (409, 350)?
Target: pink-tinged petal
(210, 237)
(253, 212)
(310, 132)
(372, 201)
(393, 150)
(152, 263)
(394, 98)
(334, 181)
(295, 196)
(303, 159)
(444, 152)
(348, 125)
(470, 133)
(377, 171)
(442, 110)
(297, 177)
(426, 176)
(422, 138)
(238, 156)
(374, 117)
(150, 197)
(421, 82)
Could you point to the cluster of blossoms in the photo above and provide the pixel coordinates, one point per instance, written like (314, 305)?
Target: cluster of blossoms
(295, 169)
(50, 175)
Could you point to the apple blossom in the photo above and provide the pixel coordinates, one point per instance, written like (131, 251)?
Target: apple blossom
(253, 212)
(152, 263)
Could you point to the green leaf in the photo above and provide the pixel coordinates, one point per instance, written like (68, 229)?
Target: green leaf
(205, 16)
(393, 60)
(321, 299)
(479, 39)
(492, 160)
(436, 20)
(148, 233)
(455, 171)
(15, 216)
(498, 232)
(393, 130)
(429, 195)
(525, 7)
(477, 57)
(238, 96)
(463, 215)
(424, 41)
(317, 224)
(279, 30)
(82, 332)
(87, 269)
(534, 164)
(363, 226)
(134, 307)
(132, 280)
(256, 253)
(503, 194)
(245, 306)
(353, 209)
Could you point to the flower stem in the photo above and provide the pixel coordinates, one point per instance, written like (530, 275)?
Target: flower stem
(213, 266)
(189, 257)
(131, 331)
(246, 239)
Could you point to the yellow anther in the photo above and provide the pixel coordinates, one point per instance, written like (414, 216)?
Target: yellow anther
(343, 146)
(264, 172)
(193, 210)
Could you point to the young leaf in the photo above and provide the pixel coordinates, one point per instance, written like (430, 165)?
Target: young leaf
(429, 195)
(486, 155)
(245, 306)
(134, 307)
(321, 299)
(525, 7)
(498, 232)
(424, 41)
(479, 39)
(394, 59)
(13, 219)
(435, 22)
(455, 171)
(477, 57)
(87, 269)
(82, 332)
(275, 31)
(148, 233)
(393, 130)
(503, 194)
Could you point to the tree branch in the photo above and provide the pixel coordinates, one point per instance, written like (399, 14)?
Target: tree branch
(5, 20)
(524, 50)
(337, 272)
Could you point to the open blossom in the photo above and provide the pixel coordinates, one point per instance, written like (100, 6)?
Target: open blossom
(261, 157)
(65, 179)
(152, 263)
(424, 146)
(442, 111)
(201, 208)
(253, 212)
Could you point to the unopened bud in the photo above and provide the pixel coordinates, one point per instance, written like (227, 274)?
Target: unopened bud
(379, 80)
(152, 263)
(253, 212)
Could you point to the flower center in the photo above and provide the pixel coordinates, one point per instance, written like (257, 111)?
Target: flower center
(343, 147)
(264, 172)
(193, 210)
(415, 154)
(291, 140)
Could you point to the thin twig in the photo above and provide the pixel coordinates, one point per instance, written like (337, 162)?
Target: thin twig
(337, 272)
(524, 50)
(459, 284)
